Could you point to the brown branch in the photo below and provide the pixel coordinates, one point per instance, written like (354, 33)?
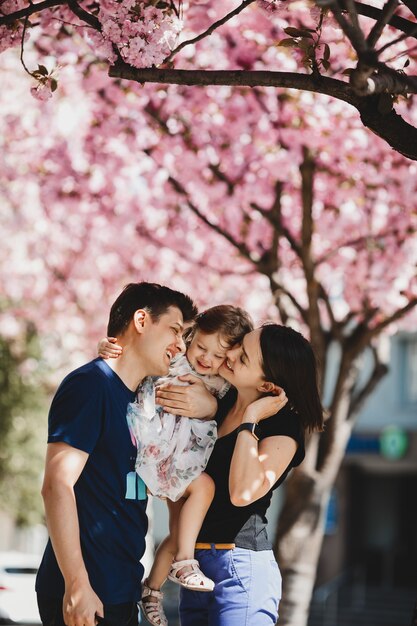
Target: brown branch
(365, 81)
(378, 372)
(397, 22)
(353, 14)
(142, 231)
(389, 126)
(273, 216)
(307, 170)
(278, 291)
(338, 409)
(399, 39)
(386, 14)
(222, 177)
(210, 30)
(335, 327)
(397, 315)
(269, 262)
(362, 334)
(364, 239)
(352, 346)
(411, 4)
(180, 189)
(351, 29)
(22, 47)
(261, 78)
(83, 15)
(28, 11)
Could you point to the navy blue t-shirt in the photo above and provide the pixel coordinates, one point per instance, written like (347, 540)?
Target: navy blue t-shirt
(88, 412)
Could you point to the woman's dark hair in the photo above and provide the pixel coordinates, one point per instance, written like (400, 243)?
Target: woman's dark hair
(156, 299)
(289, 362)
(231, 322)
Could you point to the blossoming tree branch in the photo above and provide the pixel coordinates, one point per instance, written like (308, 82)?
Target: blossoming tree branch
(363, 54)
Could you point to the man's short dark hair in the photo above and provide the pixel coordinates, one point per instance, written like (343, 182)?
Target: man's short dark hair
(154, 298)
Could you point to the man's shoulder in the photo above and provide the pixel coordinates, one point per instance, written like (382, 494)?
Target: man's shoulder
(92, 375)
(93, 369)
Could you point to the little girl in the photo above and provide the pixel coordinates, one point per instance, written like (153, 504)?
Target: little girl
(173, 451)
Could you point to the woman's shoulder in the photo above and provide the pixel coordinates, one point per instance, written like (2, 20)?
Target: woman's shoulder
(285, 422)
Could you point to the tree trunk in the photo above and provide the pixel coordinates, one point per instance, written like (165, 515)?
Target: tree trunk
(298, 544)
(301, 523)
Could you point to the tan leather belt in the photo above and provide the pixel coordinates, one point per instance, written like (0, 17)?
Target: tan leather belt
(217, 546)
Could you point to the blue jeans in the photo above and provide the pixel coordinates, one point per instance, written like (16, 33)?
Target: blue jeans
(50, 611)
(247, 591)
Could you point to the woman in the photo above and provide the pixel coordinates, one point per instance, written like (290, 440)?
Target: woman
(258, 444)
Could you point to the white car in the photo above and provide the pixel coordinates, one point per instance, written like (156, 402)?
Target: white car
(17, 588)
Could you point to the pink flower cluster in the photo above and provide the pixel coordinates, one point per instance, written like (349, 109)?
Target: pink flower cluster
(143, 35)
(46, 83)
(270, 6)
(11, 35)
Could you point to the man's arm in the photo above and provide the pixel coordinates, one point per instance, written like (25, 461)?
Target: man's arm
(64, 465)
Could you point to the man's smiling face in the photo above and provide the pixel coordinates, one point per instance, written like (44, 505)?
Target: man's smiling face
(161, 341)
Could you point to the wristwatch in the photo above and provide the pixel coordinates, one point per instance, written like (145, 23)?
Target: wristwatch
(254, 429)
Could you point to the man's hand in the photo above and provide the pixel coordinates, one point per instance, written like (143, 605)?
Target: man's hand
(81, 605)
(192, 400)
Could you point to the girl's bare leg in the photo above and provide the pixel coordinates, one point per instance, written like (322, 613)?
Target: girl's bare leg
(198, 498)
(167, 549)
(151, 603)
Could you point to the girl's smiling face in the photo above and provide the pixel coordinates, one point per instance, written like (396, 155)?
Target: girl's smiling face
(206, 353)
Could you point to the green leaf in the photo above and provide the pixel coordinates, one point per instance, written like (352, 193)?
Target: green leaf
(326, 53)
(42, 70)
(407, 63)
(54, 84)
(297, 32)
(305, 44)
(288, 43)
(325, 64)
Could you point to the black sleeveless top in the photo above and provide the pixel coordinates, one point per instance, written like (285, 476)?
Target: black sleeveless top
(244, 525)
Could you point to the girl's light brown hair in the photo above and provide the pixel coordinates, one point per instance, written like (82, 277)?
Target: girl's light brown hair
(231, 322)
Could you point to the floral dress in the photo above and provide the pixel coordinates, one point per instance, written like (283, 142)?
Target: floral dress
(171, 450)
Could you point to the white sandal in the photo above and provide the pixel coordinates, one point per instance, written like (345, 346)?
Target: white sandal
(193, 578)
(153, 610)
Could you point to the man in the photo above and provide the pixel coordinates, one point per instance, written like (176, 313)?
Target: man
(94, 502)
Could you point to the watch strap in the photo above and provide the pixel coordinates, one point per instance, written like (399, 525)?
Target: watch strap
(253, 428)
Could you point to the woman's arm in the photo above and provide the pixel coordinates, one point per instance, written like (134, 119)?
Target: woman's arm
(257, 465)
(193, 400)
